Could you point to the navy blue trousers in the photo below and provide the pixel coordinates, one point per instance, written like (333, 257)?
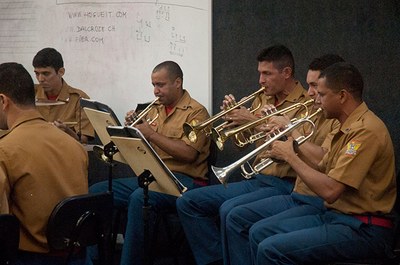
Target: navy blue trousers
(241, 218)
(128, 194)
(316, 239)
(199, 211)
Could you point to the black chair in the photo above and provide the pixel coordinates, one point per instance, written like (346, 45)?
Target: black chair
(9, 238)
(80, 221)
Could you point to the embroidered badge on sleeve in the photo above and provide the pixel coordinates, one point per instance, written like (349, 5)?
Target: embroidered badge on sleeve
(352, 148)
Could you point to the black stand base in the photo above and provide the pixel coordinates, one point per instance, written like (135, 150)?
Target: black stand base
(144, 180)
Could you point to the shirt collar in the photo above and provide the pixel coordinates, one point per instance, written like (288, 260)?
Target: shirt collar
(62, 96)
(183, 103)
(27, 115)
(354, 117)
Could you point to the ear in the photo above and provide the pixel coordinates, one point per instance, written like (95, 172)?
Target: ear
(344, 94)
(4, 101)
(287, 72)
(178, 82)
(61, 71)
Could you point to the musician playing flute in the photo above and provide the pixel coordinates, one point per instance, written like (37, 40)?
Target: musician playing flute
(57, 101)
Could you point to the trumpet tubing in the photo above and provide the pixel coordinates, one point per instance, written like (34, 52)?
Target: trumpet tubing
(143, 113)
(192, 130)
(224, 173)
(220, 137)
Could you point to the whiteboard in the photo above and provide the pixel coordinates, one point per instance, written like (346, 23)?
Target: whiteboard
(110, 47)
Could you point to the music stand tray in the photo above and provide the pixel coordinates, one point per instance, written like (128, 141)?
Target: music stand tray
(141, 157)
(100, 116)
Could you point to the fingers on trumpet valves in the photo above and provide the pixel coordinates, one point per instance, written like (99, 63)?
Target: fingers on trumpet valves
(268, 109)
(228, 102)
(130, 117)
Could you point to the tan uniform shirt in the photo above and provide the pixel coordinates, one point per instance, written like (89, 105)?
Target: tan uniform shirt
(68, 112)
(361, 156)
(171, 125)
(298, 95)
(39, 166)
(323, 129)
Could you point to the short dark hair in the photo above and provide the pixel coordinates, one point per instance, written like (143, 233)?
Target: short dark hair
(344, 76)
(279, 55)
(320, 63)
(17, 84)
(48, 57)
(174, 70)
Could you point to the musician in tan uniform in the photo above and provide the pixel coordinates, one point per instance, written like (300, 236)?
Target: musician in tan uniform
(239, 219)
(199, 208)
(35, 166)
(355, 178)
(56, 100)
(187, 160)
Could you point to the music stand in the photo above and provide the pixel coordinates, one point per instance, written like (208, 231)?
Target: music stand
(152, 173)
(100, 116)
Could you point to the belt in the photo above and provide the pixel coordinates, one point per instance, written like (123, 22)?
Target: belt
(200, 182)
(375, 220)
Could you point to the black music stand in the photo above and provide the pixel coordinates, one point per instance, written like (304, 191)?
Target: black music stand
(100, 116)
(152, 173)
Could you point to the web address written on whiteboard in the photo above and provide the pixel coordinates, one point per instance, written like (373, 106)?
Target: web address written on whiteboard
(100, 24)
(202, 5)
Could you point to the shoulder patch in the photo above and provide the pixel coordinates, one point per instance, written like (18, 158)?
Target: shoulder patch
(352, 148)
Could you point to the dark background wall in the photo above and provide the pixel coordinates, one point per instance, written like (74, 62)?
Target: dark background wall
(365, 33)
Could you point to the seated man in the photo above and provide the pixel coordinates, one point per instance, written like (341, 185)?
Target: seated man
(187, 160)
(355, 178)
(199, 208)
(56, 100)
(39, 166)
(241, 217)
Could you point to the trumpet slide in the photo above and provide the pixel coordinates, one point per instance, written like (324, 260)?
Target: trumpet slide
(224, 173)
(192, 130)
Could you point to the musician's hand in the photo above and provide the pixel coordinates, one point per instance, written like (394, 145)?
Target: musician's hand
(228, 102)
(59, 124)
(268, 109)
(239, 116)
(129, 117)
(278, 122)
(145, 129)
(282, 150)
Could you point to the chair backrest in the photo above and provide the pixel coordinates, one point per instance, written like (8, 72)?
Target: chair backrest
(80, 220)
(9, 238)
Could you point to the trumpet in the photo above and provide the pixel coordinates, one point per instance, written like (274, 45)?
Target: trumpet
(192, 130)
(220, 137)
(224, 173)
(255, 137)
(138, 118)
